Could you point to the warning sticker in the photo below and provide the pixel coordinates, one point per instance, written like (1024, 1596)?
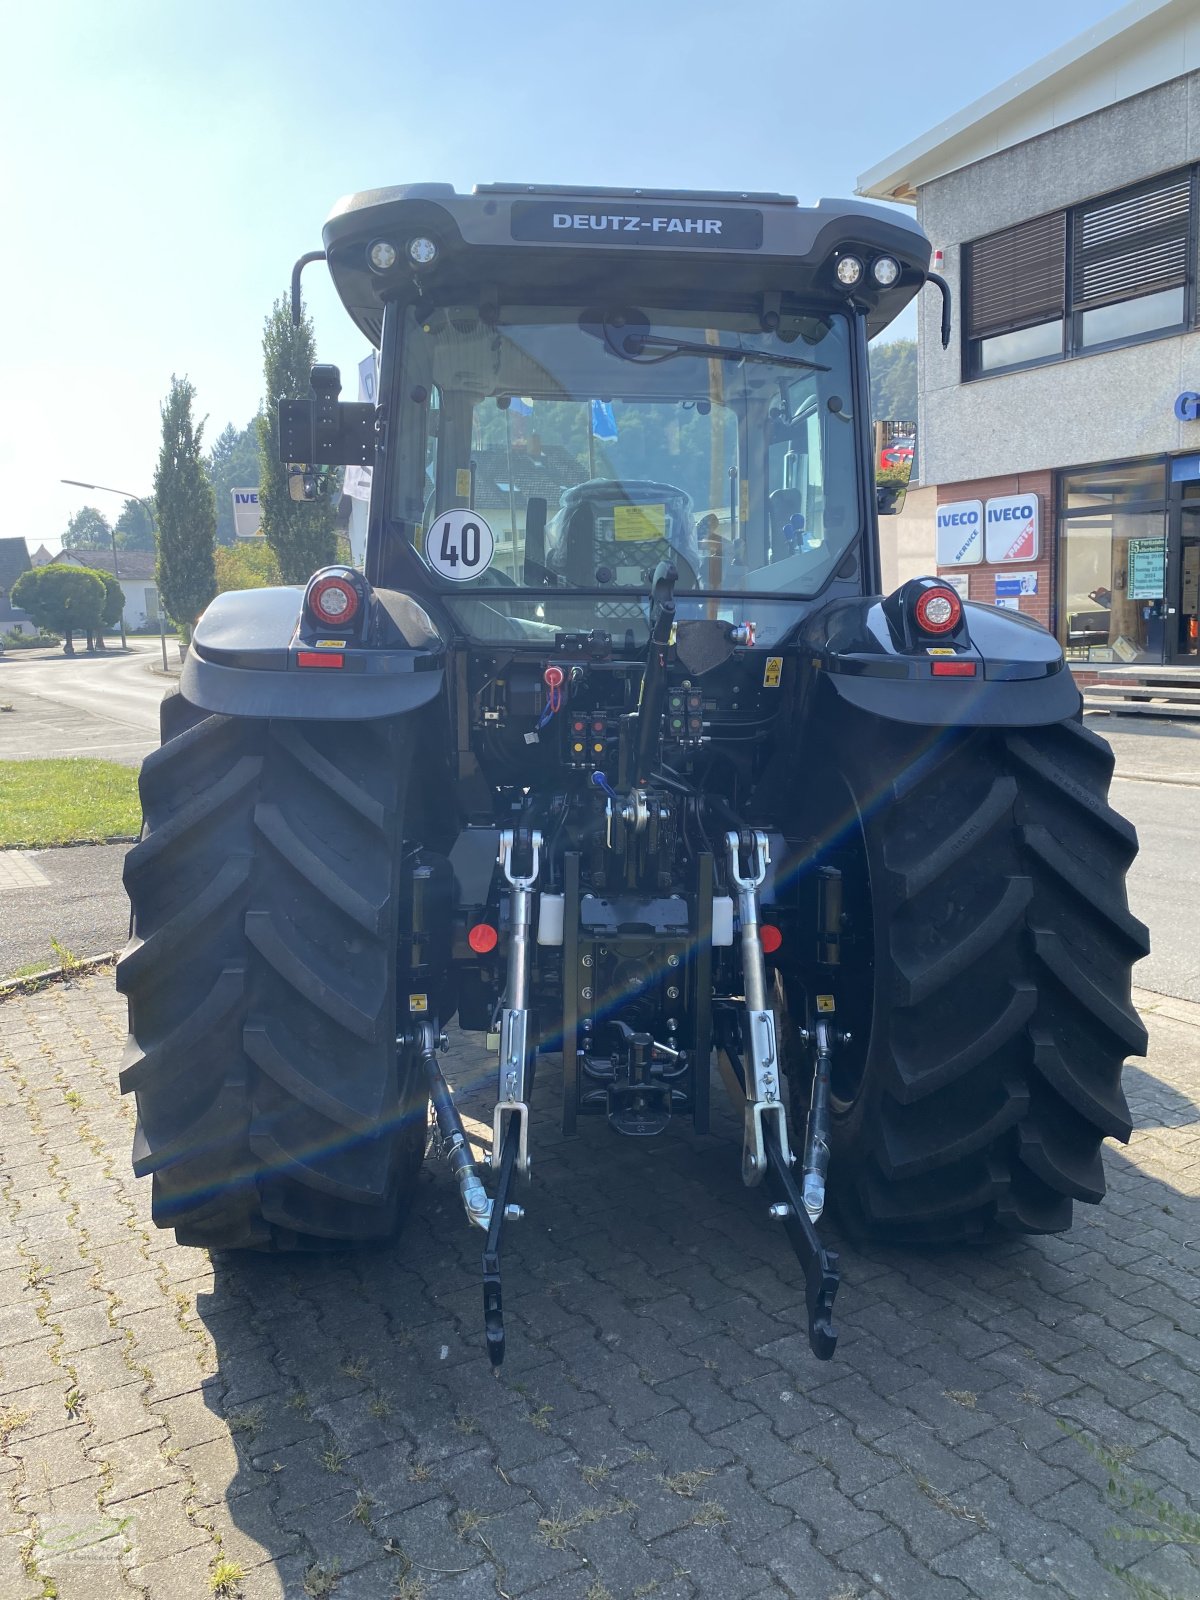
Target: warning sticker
(825, 1003)
(462, 483)
(418, 1002)
(637, 524)
(773, 672)
(459, 545)
(940, 650)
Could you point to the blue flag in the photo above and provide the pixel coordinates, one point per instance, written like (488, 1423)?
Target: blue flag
(604, 424)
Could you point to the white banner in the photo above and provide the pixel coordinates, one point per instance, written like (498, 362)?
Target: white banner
(356, 481)
(247, 514)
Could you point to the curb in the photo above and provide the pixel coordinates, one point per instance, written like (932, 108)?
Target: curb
(1165, 1005)
(40, 980)
(1157, 777)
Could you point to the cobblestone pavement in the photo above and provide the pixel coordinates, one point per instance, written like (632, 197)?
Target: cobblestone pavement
(329, 1426)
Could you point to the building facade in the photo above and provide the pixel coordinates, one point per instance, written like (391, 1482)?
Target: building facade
(135, 574)
(1061, 428)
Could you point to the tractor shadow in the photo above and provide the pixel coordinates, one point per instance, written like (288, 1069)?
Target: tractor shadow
(650, 1304)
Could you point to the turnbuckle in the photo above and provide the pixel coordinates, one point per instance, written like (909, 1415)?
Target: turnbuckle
(512, 1089)
(763, 1079)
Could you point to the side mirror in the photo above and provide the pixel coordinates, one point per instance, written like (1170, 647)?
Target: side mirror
(535, 541)
(302, 484)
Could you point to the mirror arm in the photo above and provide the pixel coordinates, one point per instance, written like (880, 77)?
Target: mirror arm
(304, 261)
(936, 277)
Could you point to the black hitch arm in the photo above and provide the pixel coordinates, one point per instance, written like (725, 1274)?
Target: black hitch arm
(493, 1298)
(819, 1264)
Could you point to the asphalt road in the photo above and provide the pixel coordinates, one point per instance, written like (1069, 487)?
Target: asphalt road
(100, 705)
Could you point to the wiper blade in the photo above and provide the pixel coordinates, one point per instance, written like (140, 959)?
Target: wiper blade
(635, 343)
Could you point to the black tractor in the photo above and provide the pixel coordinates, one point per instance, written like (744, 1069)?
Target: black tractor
(613, 752)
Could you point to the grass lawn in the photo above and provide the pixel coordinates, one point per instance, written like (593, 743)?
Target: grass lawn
(66, 802)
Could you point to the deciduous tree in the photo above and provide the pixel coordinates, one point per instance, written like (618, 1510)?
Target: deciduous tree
(88, 529)
(301, 533)
(63, 598)
(233, 463)
(187, 578)
(134, 528)
(250, 564)
(894, 380)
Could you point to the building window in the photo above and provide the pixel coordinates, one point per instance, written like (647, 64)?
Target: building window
(1106, 273)
(1112, 545)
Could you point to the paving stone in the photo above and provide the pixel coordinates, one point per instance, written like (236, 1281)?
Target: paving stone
(836, 1521)
(641, 1350)
(709, 1562)
(185, 1575)
(396, 1477)
(250, 1532)
(215, 1472)
(119, 1414)
(157, 1526)
(770, 1459)
(136, 1465)
(932, 1521)
(708, 1405)
(884, 1562)
(677, 1445)
(426, 1536)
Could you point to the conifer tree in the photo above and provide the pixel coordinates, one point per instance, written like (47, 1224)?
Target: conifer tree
(186, 575)
(301, 533)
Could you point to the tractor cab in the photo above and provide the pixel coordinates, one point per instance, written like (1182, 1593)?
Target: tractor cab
(577, 385)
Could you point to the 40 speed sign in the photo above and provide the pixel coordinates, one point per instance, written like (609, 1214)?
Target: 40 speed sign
(459, 545)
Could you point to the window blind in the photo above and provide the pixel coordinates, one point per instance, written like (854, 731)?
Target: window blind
(1017, 278)
(1132, 244)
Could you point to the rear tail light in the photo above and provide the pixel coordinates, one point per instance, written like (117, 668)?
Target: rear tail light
(953, 669)
(483, 938)
(333, 601)
(771, 938)
(938, 609)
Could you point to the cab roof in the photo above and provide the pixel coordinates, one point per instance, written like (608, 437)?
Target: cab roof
(514, 239)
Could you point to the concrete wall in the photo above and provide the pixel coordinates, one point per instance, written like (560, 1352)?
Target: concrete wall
(908, 543)
(1090, 408)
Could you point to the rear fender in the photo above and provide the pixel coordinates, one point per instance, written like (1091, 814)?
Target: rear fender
(1021, 679)
(246, 653)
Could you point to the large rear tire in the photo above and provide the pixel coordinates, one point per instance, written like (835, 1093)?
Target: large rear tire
(273, 1112)
(986, 978)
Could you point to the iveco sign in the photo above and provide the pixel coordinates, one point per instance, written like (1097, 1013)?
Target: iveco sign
(960, 533)
(1012, 527)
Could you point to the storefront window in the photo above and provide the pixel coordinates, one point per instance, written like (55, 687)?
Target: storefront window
(1125, 484)
(1111, 605)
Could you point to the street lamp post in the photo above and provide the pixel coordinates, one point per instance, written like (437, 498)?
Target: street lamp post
(104, 489)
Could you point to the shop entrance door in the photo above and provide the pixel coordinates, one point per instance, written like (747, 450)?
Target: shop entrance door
(1183, 631)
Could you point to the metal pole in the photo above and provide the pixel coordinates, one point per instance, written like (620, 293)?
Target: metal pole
(117, 576)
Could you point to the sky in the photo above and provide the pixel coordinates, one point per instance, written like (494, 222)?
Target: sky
(165, 163)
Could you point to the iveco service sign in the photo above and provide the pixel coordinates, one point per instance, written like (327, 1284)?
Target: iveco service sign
(1012, 527)
(960, 533)
(619, 223)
